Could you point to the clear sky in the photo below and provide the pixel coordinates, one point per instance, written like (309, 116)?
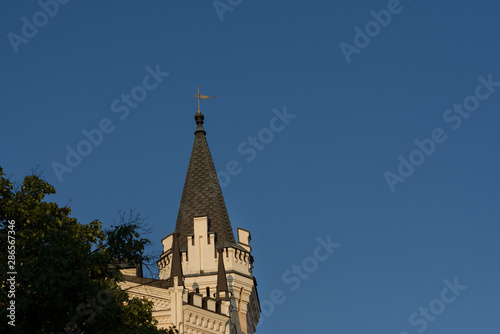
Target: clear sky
(375, 128)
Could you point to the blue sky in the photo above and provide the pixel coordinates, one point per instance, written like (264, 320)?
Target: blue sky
(362, 82)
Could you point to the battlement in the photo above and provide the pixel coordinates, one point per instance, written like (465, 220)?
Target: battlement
(201, 257)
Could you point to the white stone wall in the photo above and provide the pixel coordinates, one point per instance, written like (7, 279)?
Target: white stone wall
(200, 266)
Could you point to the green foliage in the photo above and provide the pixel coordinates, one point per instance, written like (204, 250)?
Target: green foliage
(64, 281)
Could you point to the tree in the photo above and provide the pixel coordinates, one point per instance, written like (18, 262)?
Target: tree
(63, 281)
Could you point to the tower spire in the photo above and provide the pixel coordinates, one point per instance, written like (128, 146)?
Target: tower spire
(202, 194)
(222, 288)
(176, 270)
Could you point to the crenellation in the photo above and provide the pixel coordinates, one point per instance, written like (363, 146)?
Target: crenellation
(167, 243)
(244, 239)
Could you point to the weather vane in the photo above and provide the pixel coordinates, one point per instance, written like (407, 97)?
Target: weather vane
(202, 97)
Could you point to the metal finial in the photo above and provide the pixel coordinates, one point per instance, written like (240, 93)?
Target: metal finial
(202, 97)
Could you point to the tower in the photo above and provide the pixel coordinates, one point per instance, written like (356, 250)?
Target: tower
(206, 283)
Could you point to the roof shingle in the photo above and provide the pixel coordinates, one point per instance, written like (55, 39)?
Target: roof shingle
(202, 195)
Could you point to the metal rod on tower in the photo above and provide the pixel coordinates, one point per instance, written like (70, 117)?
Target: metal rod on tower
(202, 97)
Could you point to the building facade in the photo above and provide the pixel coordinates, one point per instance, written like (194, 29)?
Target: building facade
(205, 280)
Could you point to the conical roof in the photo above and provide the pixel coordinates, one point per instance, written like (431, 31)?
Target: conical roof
(202, 194)
(176, 270)
(222, 288)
